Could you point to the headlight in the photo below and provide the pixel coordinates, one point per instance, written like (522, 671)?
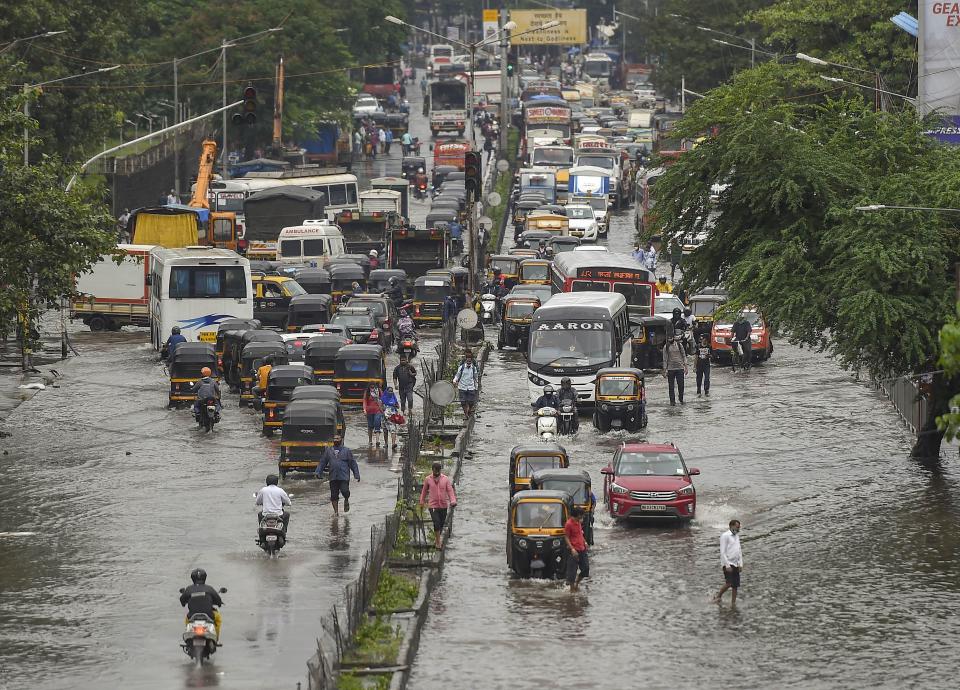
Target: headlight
(617, 489)
(556, 543)
(687, 491)
(536, 380)
(629, 407)
(604, 407)
(522, 543)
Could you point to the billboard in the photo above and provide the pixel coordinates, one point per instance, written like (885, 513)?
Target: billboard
(939, 54)
(491, 24)
(572, 30)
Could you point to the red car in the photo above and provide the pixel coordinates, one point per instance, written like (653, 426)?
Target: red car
(761, 347)
(649, 480)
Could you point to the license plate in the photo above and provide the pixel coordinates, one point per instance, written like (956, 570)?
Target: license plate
(652, 507)
(271, 537)
(722, 341)
(537, 564)
(207, 337)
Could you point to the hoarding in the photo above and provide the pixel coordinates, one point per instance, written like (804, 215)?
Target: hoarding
(939, 53)
(490, 24)
(571, 31)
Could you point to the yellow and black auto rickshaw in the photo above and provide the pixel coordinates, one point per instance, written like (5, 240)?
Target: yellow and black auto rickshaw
(515, 324)
(575, 482)
(621, 400)
(251, 358)
(320, 352)
(342, 278)
(461, 279)
(184, 366)
(229, 344)
(280, 384)
(232, 325)
(308, 309)
(509, 268)
(308, 430)
(354, 367)
(535, 543)
(534, 272)
(429, 293)
(704, 308)
(316, 281)
(525, 460)
(649, 335)
(322, 391)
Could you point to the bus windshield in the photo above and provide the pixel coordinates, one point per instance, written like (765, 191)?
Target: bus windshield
(207, 282)
(556, 344)
(230, 201)
(605, 162)
(560, 157)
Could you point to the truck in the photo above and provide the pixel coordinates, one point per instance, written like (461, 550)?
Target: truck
(417, 250)
(268, 211)
(448, 106)
(381, 81)
(330, 146)
(115, 292)
(634, 74)
(486, 87)
(381, 201)
(365, 231)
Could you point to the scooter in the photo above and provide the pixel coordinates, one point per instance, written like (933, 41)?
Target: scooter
(207, 415)
(488, 306)
(547, 424)
(200, 636)
(272, 535)
(407, 347)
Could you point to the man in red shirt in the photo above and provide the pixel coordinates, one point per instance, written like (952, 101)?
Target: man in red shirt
(573, 535)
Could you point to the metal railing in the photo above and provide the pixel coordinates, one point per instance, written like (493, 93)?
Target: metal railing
(907, 400)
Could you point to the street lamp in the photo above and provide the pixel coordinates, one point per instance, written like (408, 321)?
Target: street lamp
(886, 207)
(878, 80)
(752, 49)
(752, 42)
(838, 80)
(45, 34)
(26, 103)
(136, 129)
(149, 120)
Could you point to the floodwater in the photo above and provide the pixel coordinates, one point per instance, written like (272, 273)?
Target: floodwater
(849, 547)
(111, 500)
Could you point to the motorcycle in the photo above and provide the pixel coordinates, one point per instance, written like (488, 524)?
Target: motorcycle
(547, 424)
(200, 636)
(488, 307)
(420, 190)
(408, 347)
(272, 535)
(207, 415)
(567, 419)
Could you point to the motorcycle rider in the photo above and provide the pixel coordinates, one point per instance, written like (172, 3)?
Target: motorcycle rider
(175, 339)
(664, 286)
(394, 291)
(568, 394)
(689, 318)
(679, 323)
(202, 598)
(542, 250)
(205, 389)
(406, 326)
(547, 399)
(741, 333)
(271, 500)
(420, 184)
(682, 330)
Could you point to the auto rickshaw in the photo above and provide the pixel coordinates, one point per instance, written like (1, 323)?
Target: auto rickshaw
(575, 482)
(316, 281)
(322, 391)
(280, 384)
(525, 460)
(535, 538)
(523, 253)
(184, 366)
(563, 243)
(704, 307)
(509, 268)
(429, 293)
(440, 173)
(228, 345)
(319, 354)
(520, 210)
(650, 334)
(409, 166)
(530, 239)
(379, 279)
(515, 324)
(621, 400)
(441, 217)
(251, 359)
(534, 271)
(461, 279)
(308, 430)
(308, 309)
(354, 367)
(233, 325)
(342, 278)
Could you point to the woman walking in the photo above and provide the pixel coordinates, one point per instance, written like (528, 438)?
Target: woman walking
(373, 408)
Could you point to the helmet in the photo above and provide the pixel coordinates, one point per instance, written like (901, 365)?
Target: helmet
(374, 253)
(565, 382)
(687, 311)
(547, 389)
(497, 271)
(205, 371)
(199, 576)
(393, 280)
(677, 311)
(268, 360)
(663, 279)
(272, 480)
(175, 330)
(543, 243)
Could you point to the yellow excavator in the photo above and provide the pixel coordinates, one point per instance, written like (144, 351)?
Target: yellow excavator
(221, 227)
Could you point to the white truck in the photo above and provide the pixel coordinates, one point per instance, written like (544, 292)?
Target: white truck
(448, 106)
(112, 295)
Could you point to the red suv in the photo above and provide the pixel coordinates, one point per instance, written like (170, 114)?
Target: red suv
(649, 480)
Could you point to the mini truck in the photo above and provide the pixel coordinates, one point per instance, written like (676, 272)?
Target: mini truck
(365, 231)
(417, 250)
(112, 295)
(448, 107)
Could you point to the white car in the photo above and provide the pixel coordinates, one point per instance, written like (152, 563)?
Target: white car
(591, 248)
(583, 222)
(366, 105)
(665, 303)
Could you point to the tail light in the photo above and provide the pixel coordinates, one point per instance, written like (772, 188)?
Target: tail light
(416, 309)
(199, 630)
(374, 335)
(241, 244)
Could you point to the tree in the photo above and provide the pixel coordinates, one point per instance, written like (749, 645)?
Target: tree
(782, 232)
(949, 422)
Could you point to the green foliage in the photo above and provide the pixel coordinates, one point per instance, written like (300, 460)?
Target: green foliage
(394, 592)
(950, 361)
(348, 681)
(375, 642)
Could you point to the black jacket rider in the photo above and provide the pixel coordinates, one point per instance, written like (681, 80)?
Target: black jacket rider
(547, 400)
(200, 598)
(568, 395)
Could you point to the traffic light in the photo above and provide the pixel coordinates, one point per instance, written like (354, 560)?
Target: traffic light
(473, 174)
(248, 108)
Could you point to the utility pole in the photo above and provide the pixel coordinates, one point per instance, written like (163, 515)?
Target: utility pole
(176, 121)
(753, 52)
(683, 94)
(504, 83)
(223, 58)
(26, 132)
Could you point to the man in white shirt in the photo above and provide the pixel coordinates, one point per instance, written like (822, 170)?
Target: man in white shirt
(731, 560)
(271, 499)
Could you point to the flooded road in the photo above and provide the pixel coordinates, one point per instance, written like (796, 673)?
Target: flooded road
(849, 547)
(111, 500)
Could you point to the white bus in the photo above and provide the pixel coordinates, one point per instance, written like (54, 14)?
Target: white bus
(576, 334)
(196, 288)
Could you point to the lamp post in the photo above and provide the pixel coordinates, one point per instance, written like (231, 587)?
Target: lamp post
(752, 42)
(27, 88)
(45, 34)
(838, 80)
(136, 129)
(144, 116)
(877, 79)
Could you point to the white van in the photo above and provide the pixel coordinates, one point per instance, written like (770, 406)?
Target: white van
(312, 243)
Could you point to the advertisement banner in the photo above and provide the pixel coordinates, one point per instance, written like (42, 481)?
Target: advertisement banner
(490, 24)
(939, 57)
(453, 33)
(571, 31)
(948, 131)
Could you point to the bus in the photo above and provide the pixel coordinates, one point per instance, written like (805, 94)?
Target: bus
(196, 288)
(576, 335)
(605, 272)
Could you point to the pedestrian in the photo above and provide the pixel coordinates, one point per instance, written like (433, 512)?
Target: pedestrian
(577, 559)
(650, 257)
(456, 236)
(172, 197)
(676, 257)
(373, 408)
(357, 144)
(467, 381)
(405, 378)
(374, 142)
(382, 138)
(731, 561)
(741, 334)
(163, 199)
(449, 308)
(389, 400)
(341, 462)
(442, 497)
(387, 141)
(675, 367)
(406, 141)
(703, 364)
(639, 255)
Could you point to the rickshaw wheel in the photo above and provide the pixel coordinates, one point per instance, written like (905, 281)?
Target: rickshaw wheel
(601, 425)
(282, 471)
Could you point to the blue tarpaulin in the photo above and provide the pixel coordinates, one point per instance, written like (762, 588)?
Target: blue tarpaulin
(907, 22)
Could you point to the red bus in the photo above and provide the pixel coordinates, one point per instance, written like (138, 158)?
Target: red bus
(599, 271)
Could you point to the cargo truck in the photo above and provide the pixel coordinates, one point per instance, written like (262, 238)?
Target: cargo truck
(114, 293)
